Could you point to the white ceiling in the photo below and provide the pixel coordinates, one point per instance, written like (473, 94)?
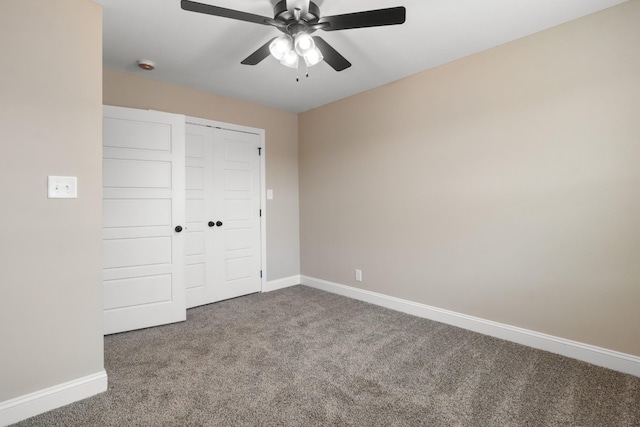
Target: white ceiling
(204, 52)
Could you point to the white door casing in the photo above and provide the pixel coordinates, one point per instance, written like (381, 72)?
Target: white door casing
(143, 203)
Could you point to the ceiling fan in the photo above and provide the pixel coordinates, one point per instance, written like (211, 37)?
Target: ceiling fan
(298, 19)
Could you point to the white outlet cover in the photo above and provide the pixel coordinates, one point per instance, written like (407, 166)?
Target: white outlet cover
(63, 187)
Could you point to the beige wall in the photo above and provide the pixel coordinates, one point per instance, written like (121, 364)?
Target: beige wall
(505, 185)
(281, 128)
(50, 250)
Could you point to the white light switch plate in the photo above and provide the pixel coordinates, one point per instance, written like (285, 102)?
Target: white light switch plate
(269, 194)
(63, 187)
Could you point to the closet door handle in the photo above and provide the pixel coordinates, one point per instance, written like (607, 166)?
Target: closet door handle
(219, 223)
(178, 228)
(212, 224)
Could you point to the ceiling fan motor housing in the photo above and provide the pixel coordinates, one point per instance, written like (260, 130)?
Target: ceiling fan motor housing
(293, 26)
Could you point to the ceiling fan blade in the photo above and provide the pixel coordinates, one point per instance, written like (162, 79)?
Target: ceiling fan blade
(193, 6)
(275, 23)
(256, 57)
(331, 56)
(319, 26)
(370, 18)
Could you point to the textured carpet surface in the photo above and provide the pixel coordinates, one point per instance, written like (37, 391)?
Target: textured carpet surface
(303, 357)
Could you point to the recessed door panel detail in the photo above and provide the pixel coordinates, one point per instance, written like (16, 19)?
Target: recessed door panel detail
(195, 178)
(195, 210)
(195, 275)
(136, 252)
(238, 210)
(238, 238)
(123, 133)
(124, 173)
(236, 149)
(137, 291)
(195, 243)
(237, 180)
(195, 146)
(136, 213)
(238, 268)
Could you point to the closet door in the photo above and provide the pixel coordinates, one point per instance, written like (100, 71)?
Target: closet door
(143, 219)
(223, 258)
(237, 203)
(200, 246)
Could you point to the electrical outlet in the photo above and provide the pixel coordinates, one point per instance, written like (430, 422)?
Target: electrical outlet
(358, 275)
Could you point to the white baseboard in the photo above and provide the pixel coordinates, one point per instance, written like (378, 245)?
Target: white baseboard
(274, 285)
(32, 404)
(610, 359)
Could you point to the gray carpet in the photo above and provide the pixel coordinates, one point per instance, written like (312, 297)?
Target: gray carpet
(303, 357)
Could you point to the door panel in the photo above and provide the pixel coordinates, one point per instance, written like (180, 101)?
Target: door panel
(126, 173)
(128, 252)
(138, 135)
(194, 274)
(223, 184)
(136, 213)
(138, 291)
(195, 211)
(195, 177)
(239, 202)
(143, 202)
(199, 155)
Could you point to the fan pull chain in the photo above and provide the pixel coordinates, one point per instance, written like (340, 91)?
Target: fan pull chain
(306, 71)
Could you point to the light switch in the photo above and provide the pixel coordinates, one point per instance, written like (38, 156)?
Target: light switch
(269, 194)
(63, 187)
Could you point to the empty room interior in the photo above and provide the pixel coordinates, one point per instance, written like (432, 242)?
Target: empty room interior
(445, 231)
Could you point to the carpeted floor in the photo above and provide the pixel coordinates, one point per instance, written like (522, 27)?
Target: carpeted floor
(303, 357)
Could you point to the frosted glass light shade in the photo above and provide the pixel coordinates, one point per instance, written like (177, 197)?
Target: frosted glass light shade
(290, 59)
(312, 57)
(280, 46)
(304, 43)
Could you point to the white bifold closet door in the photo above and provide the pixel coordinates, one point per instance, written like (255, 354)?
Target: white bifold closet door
(223, 246)
(143, 213)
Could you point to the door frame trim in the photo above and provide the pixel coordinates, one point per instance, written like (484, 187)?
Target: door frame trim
(263, 182)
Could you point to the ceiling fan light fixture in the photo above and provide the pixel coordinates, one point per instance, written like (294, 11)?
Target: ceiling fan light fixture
(290, 59)
(303, 43)
(313, 57)
(298, 19)
(280, 46)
